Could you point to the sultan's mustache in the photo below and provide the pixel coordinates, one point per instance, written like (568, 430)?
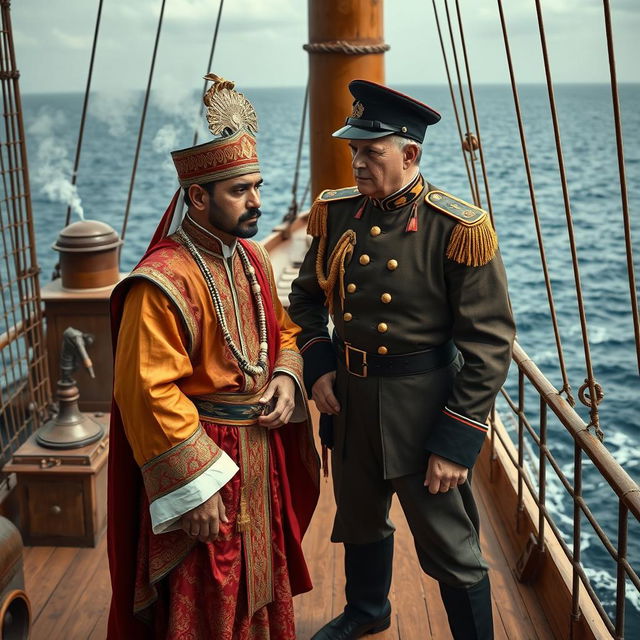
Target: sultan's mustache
(248, 215)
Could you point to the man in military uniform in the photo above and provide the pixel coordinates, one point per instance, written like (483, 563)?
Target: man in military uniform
(416, 289)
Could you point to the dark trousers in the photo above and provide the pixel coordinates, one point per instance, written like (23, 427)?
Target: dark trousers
(444, 526)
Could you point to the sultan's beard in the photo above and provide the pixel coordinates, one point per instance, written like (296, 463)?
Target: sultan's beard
(249, 231)
(240, 229)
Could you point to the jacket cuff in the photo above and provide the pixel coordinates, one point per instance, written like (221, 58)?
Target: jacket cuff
(319, 358)
(457, 438)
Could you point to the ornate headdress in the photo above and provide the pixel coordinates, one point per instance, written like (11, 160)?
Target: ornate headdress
(233, 119)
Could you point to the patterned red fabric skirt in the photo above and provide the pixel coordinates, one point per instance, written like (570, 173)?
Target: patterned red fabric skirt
(204, 597)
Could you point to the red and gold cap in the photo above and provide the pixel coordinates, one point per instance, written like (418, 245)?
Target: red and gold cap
(233, 153)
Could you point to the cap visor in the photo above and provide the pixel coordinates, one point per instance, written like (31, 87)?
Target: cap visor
(355, 133)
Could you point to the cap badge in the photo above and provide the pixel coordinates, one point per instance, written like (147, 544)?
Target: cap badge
(358, 110)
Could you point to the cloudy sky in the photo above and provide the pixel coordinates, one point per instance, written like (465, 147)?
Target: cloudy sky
(260, 42)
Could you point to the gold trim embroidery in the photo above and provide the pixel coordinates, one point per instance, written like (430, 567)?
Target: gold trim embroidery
(179, 465)
(255, 508)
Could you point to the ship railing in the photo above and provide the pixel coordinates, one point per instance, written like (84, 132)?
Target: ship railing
(585, 443)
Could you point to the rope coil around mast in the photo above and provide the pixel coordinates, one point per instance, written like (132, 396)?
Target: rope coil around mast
(342, 46)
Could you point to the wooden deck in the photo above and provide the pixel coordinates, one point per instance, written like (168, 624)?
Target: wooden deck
(69, 588)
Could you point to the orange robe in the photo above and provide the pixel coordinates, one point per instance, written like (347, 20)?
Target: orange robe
(190, 417)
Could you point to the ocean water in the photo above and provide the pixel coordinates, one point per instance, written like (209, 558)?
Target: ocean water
(586, 123)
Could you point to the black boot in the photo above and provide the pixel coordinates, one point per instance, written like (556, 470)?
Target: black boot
(469, 610)
(368, 571)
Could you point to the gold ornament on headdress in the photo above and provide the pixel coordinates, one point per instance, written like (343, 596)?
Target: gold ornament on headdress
(227, 109)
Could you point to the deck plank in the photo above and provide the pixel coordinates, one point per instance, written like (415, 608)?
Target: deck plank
(409, 602)
(70, 592)
(519, 610)
(315, 607)
(55, 617)
(44, 573)
(100, 629)
(93, 601)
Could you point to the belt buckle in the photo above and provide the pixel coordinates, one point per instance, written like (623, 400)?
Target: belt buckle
(347, 351)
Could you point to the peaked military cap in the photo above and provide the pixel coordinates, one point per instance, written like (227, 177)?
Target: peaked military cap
(380, 111)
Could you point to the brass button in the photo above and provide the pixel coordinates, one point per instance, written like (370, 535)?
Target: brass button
(347, 317)
(383, 350)
(351, 287)
(392, 265)
(382, 327)
(375, 231)
(385, 298)
(364, 259)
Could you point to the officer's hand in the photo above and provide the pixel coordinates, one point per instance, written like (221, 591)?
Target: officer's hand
(442, 474)
(283, 388)
(203, 522)
(322, 394)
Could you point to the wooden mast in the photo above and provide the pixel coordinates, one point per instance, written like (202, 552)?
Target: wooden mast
(345, 42)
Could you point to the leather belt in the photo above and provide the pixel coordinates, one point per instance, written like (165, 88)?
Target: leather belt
(362, 364)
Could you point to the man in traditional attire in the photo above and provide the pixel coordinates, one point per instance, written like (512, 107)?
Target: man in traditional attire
(416, 289)
(213, 475)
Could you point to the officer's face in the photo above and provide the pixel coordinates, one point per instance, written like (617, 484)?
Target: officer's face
(231, 207)
(378, 165)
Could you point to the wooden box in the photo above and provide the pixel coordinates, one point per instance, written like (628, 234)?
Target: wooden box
(62, 493)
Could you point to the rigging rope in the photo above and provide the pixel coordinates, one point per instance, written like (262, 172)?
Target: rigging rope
(623, 179)
(294, 207)
(453, 98)
(142, 122)
(208, 70)
(476, 187)
(590, 381)
(566, 387)
(475, 113)
(305, 194)
(87, 90)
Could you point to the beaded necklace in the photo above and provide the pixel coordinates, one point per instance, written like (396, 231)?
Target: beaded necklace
(245, 365)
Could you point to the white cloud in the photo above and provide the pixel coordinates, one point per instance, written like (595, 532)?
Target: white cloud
(260, 42)
(71, 41)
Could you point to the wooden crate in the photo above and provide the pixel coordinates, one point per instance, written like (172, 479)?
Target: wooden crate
(62, 493)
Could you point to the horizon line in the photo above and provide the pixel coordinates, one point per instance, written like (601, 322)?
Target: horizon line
(302, 87)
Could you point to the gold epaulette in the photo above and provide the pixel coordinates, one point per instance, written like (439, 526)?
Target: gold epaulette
(317, 222)
(473, 240)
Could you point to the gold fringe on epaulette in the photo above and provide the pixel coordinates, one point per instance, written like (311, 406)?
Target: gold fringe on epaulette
(473, 245)
(335, 266)
(317, 221)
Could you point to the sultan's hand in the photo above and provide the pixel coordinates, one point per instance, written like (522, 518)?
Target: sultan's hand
(442, 474)
(203, 522)
(283, 388)
(322, 394)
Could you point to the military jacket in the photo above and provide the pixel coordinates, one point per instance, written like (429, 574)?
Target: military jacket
(405, 281)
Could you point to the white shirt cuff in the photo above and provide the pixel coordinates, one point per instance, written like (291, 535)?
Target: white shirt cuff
(167, 510)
